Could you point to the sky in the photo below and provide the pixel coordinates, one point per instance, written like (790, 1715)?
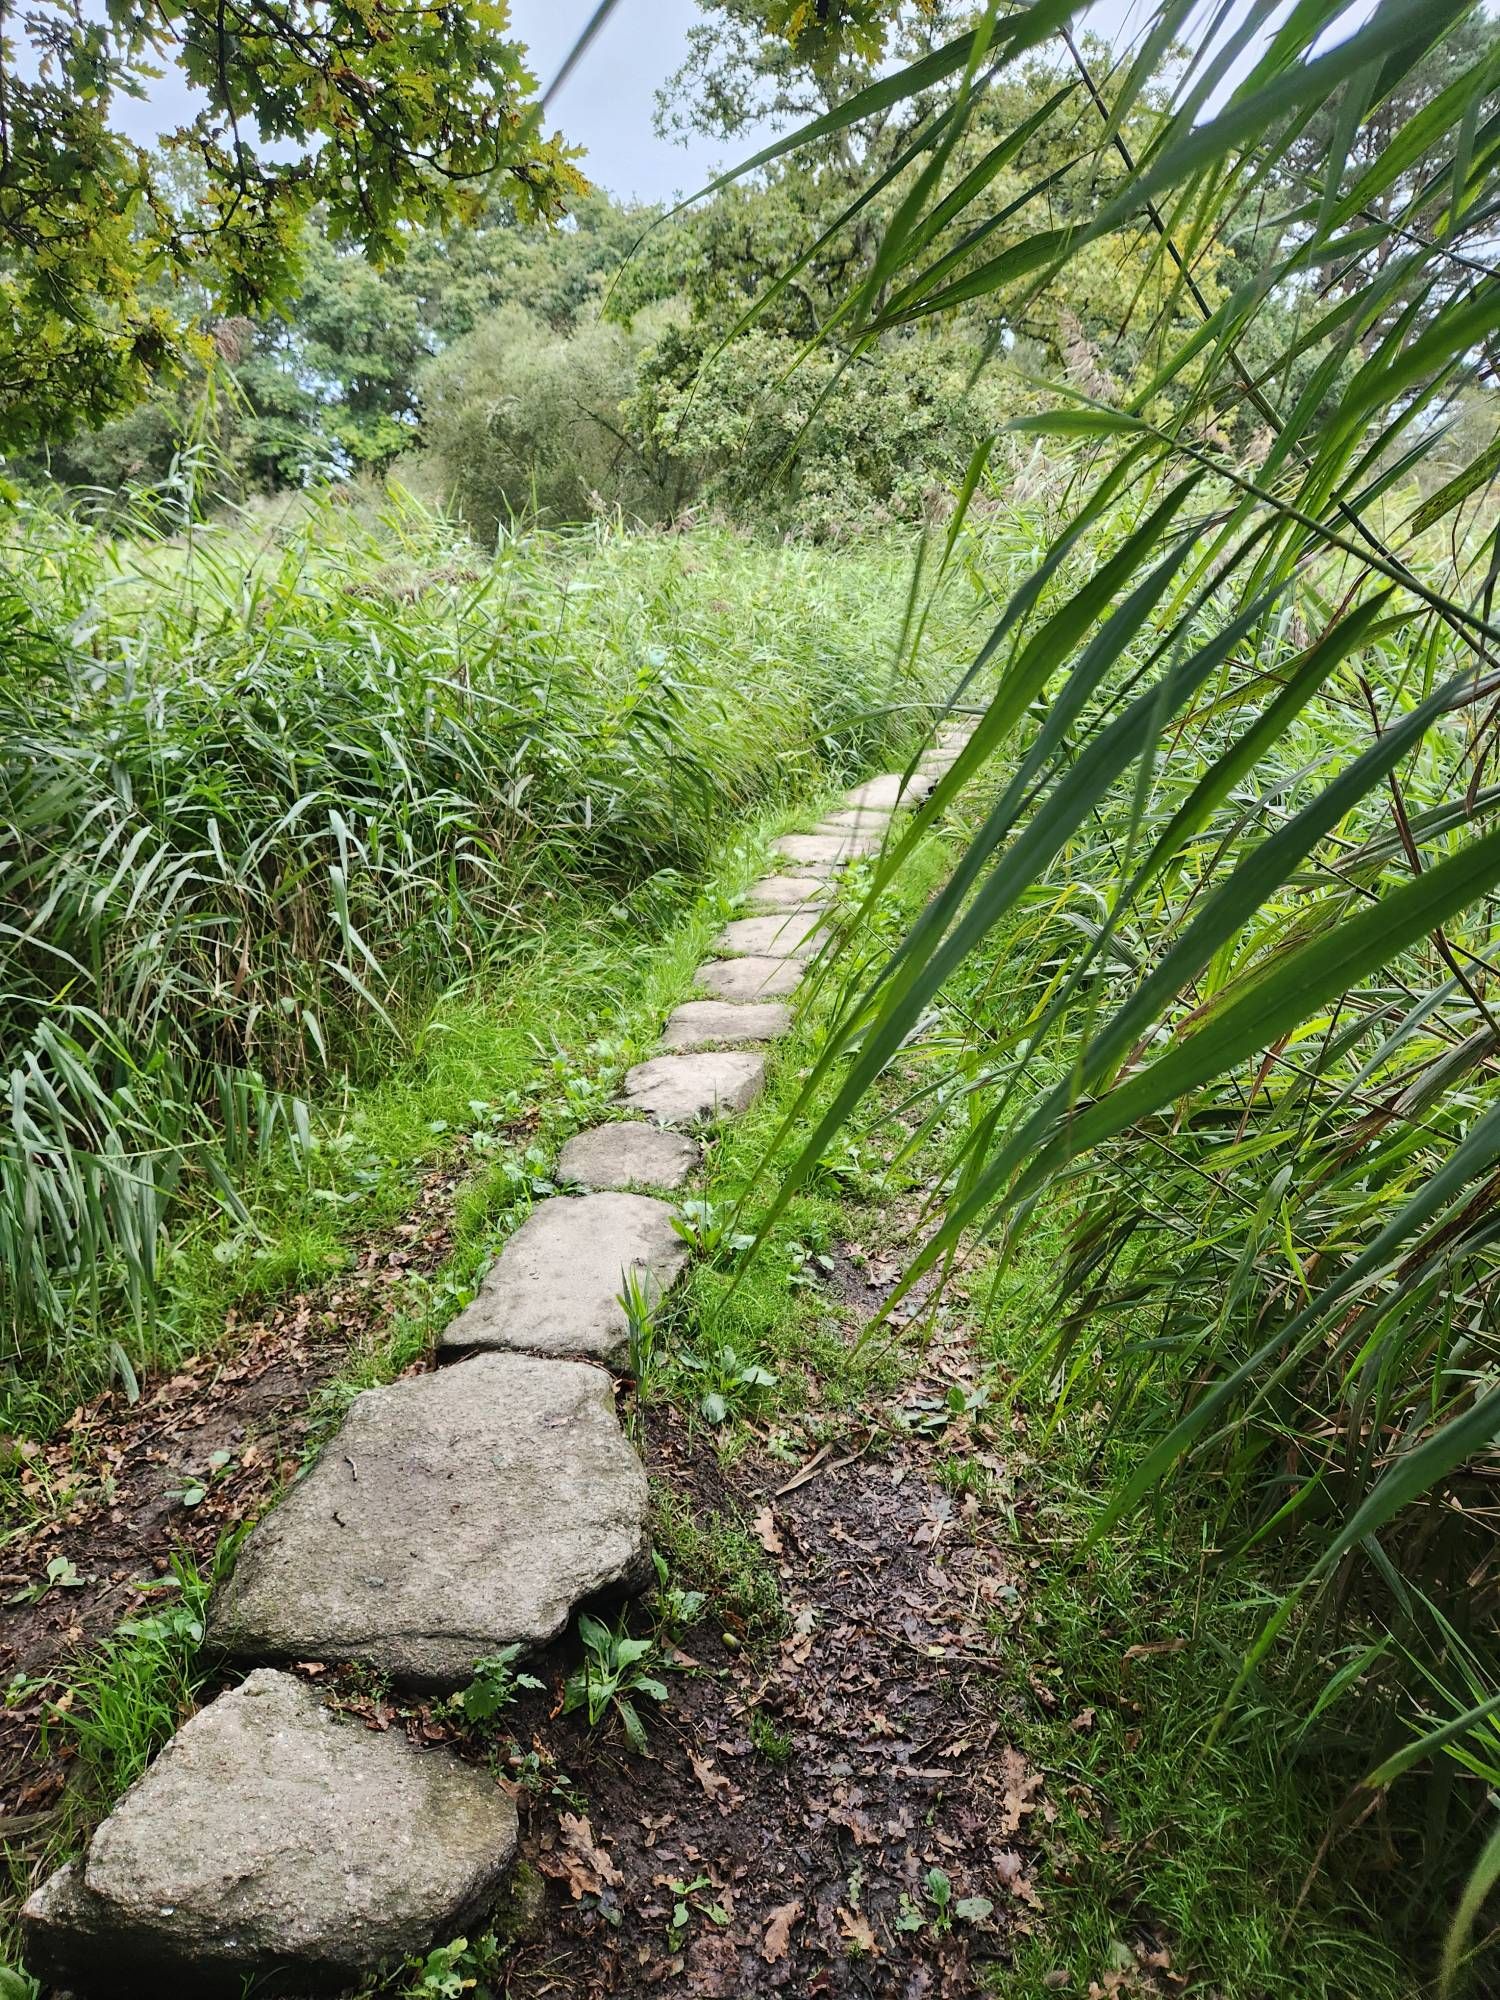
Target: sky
(608, 102)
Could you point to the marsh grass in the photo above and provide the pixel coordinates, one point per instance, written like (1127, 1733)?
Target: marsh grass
(286, 804)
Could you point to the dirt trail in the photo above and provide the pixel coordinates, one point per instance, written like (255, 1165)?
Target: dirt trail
(807, 1872)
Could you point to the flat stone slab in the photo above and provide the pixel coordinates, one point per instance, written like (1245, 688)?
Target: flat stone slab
(858, 840)
(745, 979)
(808, 893)
(681, 1090)
(827, 850)
(555, 1287)
(789, 934)
(704, 1024)
(628, 1155)
(273, 1842)
(858, 819)
(454, 1514)
(888, 791)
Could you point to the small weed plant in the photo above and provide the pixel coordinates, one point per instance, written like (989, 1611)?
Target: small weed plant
(495, 1686)
(615, 1675)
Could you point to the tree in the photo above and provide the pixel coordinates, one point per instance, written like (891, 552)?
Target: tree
(380, 114)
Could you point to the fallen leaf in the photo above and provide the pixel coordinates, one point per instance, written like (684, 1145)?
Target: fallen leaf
(1020, 1783)
(1014, 1880)
(779, 1932)
(1154, 1650)
(587, 1867)
(856, 1931)
(764, 1526)
(715, 1784)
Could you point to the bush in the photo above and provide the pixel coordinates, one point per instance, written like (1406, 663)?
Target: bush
(827, 448)
(523, 423)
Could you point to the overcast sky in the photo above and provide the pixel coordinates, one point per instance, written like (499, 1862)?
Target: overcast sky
(607, 104)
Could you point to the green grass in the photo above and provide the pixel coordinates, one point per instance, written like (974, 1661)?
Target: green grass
(550, 1048)
(291, 810)
(1176, 1828)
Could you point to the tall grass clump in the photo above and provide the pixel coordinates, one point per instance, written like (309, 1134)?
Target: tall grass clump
(1233, 886)
(268, 793)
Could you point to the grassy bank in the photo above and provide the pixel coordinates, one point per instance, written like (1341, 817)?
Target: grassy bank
(292, 804)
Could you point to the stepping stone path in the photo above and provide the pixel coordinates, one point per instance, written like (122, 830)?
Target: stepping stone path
(687, 1090)
(456, 1512)
(628, 1155)
(555, 1288)
(786, 935)
(272, 1835)
(705, 1024)
(825, 850)
(743, 979)
(788, 892)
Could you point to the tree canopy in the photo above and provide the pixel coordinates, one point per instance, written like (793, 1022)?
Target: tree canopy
(378, 114)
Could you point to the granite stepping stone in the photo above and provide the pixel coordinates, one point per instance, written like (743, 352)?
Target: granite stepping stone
(681, 1090)
(858, 819)
(788, 934)
(808, 893)
(826, 850)
(858, 840)
(888, 792)
(555, 1287)
(628, 1155)
(746, 979)
(704, 1024)
(453, 1514)
(277, 1844)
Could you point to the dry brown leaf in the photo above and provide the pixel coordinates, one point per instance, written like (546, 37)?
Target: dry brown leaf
(778, 1936)
(1011, 1871)
(1020, 1785)
(856, 1931)
(587, 1867)
(1154, 1650)
(714, 1783)
(764, 1526)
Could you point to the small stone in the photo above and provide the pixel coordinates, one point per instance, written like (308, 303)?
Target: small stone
(453, 1514)
(681, 1090)
(887, 792)
(742, 979)
(628, 1155)
(785, 935)
(277, 1845)
(704, 1024)
(827, 850)
(555, 1287)
(788, 892)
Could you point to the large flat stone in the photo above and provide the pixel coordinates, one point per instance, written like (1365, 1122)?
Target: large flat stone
(681, 1090)
(814, 850)
(808, 893)
(788, 934)
(888, 791)
(706, 1024)
(742, 979)
(628, 1155)
(858, 840)
(555, 1287)
(453, 1514)
(275, 1843)
(858, 819)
